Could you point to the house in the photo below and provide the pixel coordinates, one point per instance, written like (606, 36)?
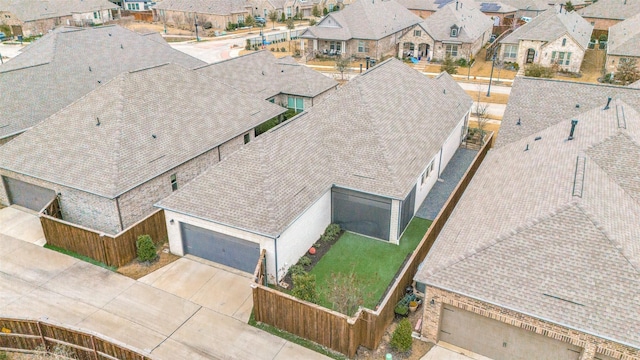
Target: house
(635, 85)
(555, 37)
(112, 154)
(364, 28)
(281, 81)
(603, 14)
(528, 8)
(185, 13)
(34, 17)
(457, 30)
(550, 265)
(495, 10)
(68, 63)
(138, 5)
(624, 43)
(364, 158)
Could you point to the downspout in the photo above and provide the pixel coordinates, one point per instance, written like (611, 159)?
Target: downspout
(275, 240)
(119, 214)
(440, 162)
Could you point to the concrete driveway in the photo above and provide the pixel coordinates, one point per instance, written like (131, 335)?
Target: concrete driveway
(21, 223)
(445, 351)
(42, 284)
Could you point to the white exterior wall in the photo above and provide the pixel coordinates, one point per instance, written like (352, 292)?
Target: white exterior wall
(577, 53)
(296, 240)
(524, 46)
(175, 237)
(395, 222)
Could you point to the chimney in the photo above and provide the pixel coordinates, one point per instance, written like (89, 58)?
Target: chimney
(573, 128)
(608, 102)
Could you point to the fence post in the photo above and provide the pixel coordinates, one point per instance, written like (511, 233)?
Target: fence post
(44, 342)
(93, 346)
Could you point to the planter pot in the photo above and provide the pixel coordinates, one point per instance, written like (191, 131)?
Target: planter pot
(413, 306)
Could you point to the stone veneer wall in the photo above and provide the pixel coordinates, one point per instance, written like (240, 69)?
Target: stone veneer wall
(591, 344)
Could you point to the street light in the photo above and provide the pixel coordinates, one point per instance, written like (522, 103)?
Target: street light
(196, 24)
(493, 63)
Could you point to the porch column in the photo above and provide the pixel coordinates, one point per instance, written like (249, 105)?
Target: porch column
(315, 44)
(344, 47)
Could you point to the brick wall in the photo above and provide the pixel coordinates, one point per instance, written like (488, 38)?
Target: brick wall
(591, 344)
(602, 24)
(613, 61)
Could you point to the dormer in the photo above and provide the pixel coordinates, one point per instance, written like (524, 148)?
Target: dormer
(454, 30)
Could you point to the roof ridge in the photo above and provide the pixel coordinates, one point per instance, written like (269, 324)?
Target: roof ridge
(23, 68)
(118, 132)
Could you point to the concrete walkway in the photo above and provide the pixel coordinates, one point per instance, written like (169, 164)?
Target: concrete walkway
(42, 284)
(451, 175)
(22, 223)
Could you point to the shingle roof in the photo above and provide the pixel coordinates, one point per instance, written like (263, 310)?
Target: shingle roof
(364, 19)
(528, 5)
(579, 256)
(150, 121)
(611, 9)
(472, 23)
(66, 64)
(552, 24)
(635, 85)
(624, 37)
(30, 10)
(217, 7)
(263, 74)
(371, 134)
(434, 5)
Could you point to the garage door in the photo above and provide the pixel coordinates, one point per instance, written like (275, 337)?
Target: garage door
(500, 341)
(28, 195)
(223, 249)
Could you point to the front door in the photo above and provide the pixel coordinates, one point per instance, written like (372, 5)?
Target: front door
(531, 54)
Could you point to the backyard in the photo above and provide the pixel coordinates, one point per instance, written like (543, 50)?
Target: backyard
(373, 263)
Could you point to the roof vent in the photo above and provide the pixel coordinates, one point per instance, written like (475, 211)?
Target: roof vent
(99, 81)
(444, 91)
(527, 148)
(573, 128)
(121, 47)
(89, 68)
(153, 136)
(538, 138)
(577, 106)
(97, 121)
(608, 102)
(519, 122)
(109, 34)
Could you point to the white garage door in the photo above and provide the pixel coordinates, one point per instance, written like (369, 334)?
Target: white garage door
(500, 341)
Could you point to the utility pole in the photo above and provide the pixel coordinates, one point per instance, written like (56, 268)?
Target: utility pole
(196, 24)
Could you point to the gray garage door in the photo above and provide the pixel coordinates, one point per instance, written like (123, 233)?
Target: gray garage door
(500, 341)
(28, 195)
(223, 249)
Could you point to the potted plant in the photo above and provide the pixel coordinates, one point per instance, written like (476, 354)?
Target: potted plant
(413, 305)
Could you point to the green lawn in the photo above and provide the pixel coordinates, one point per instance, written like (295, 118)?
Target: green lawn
(81, 257)
(374, 262)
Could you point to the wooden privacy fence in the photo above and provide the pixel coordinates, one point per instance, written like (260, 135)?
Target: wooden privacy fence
(337, 331)
(113, 250)
(36, 336)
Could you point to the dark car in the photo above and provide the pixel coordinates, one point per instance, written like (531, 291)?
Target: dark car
(3, 37)
(260, 20)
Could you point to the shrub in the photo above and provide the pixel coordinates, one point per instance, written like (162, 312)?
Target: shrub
(449, 66)
(248, 45)
(315, 11)
(305, 261)
(304, 287)
(401, 339)
(401, 309)
(312, 22)
(146, 248)
(536, 70)
(462, 62)
(603, 37)
(295, 270)
(331, 233)
(207, 25)
(283, 49)
(282, 18)
(325, 11)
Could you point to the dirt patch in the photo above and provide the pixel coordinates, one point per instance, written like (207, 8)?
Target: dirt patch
(145, 28)
(136, 269)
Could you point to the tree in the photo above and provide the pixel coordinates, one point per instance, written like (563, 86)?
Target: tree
(325, 11)
(291, 24)
(569, 6)
(282, 18)
(273, 17)
(346, 292)
(401, 339)
(627, 71)
(249, 20)
(481, 113)
(342, 64)
(315, 11)
(449, 65)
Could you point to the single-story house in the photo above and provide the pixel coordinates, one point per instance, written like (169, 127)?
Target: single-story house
(528, 8)
(68, 63)
(281, 81)
(458, 30)
(184, 13)
(550, 268)
(603, 14)
(364, 28)
(34, 17)
(115, 152)
(497, 11)
(364, 158)
(555, 37)
(623, 43)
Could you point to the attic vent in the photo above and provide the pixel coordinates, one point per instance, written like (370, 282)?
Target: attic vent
(99, 82)
(622, 120)
(519, 122)
(527, 148)
(153, 136)
(109, 34)
(538, 138)
(573, 128)
(121, 47)
(89, 68)
(444, 91)
(97, 121)
(606, 107)
(578, 176)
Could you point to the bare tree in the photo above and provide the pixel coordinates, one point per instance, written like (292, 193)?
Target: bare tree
(481, 114)
(347, 292)
(342, 65)
(273, 17)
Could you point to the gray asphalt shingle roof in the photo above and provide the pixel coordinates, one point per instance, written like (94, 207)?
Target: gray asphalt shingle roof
(434, 5)
(528, 5)
(471, 21)
(30, 10)
(364, 19)
(552, 24)
(68, 63)
(150, 121)
(624, 38)
(579, 256)
(611, 9)
(216, 7)
(263, 74)
(372, 135)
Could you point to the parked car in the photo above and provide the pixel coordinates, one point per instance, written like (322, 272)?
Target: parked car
(260, 20)
(3, 37)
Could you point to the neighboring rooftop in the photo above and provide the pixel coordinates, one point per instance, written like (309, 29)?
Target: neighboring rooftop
(363, 19)
(624, 37)
(528, 5)
(134, 128)
(635, 85)
(215, 7)
(559, 216)
(471, 22)
(68, 63)
(263, 74)
(370, 134)
(31, 10)
(611, 9)
(551, 25)
(434, 5)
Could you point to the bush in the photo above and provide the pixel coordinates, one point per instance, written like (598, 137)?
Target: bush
(282, 18)
(462, 62)
(304, 287)
(283, 49)
(315, 11)
(325, 11)
(449, 66)
(248, 45)
(295, 270)
(536, 70)
(207, 25)
(331, 233)
(305, 261)
(401, 339)
(602, 37)
(312, 22)
(146, 248)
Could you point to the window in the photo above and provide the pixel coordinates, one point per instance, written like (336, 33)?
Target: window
(240, 19)
(426, 173)
(174, 182)
(510, 51)
(272, 100)
(288, 11)
(561, 58)
(295, 103)
(454, 31)
(362, 46)
(417, 33)
(331, 7)
(96, 15)
(452, 50)
(247, 138)
(564, 42)
(137, 6)
(335, 45)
